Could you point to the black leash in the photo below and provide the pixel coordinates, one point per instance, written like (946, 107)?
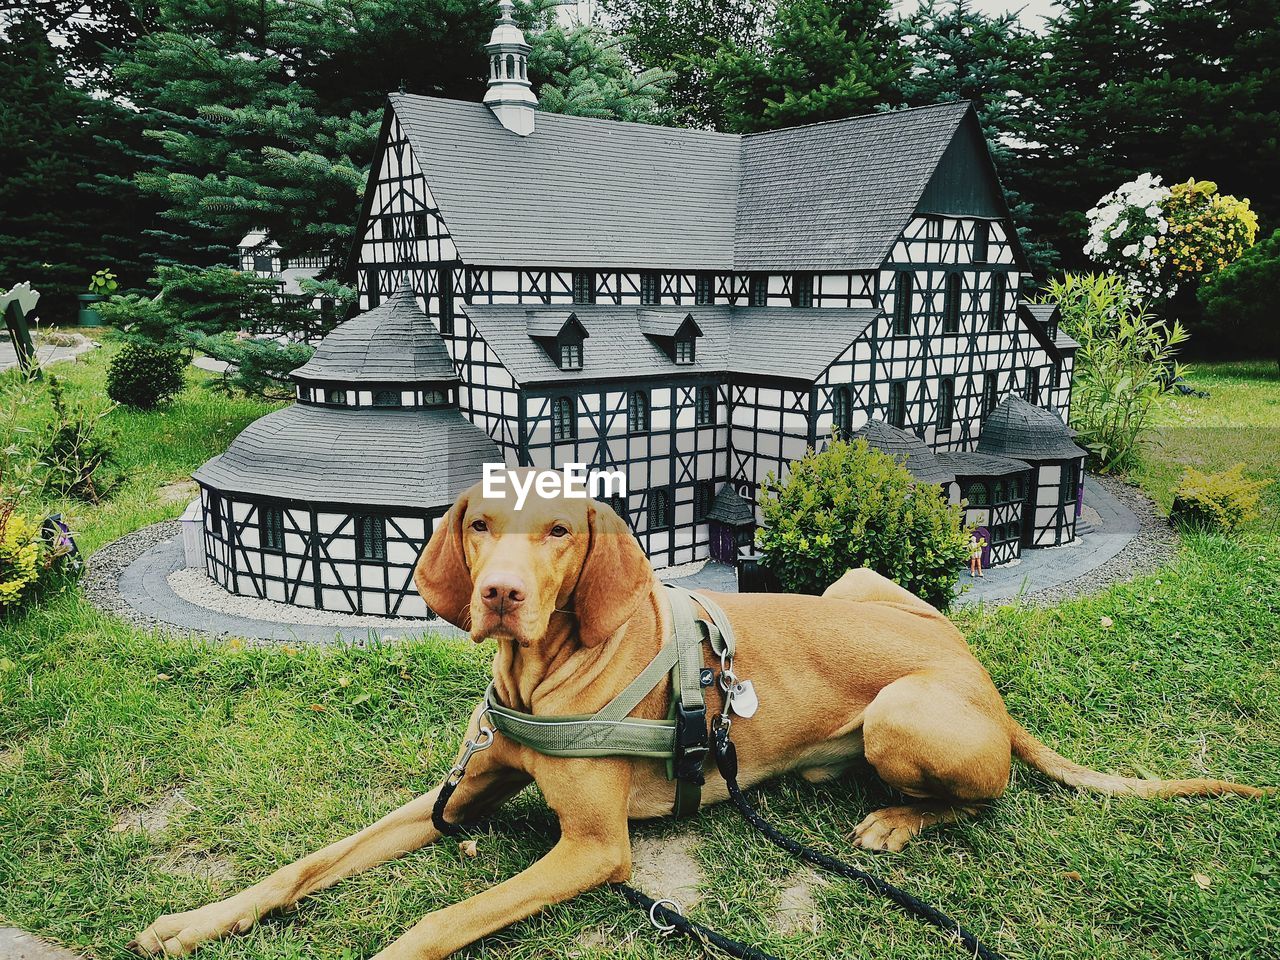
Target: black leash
(727, 762)
(671, 920)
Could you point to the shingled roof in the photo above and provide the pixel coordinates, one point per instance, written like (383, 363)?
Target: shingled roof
(597, 193)
(780, 342)
(1019, 429)
(729, 508)
(921, 462)
(967, 463)
(361, 457)
(394, 342)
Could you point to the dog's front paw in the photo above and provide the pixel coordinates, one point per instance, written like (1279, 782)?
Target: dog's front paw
(177, 934)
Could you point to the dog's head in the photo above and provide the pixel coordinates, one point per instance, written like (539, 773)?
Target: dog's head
(501, 572)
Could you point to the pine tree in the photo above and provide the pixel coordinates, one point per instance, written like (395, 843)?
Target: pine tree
(959, 53)
(681, 36)
(818, 60)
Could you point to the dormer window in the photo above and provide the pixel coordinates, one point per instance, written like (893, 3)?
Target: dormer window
(802, 290)
(571, 355)
(649, 288)
(673, 334)
(584, 286)
(684, 350)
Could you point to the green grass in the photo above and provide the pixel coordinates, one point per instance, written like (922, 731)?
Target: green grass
(281, 751)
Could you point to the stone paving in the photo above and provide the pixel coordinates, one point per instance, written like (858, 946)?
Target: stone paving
(17, 944)
(46, 353)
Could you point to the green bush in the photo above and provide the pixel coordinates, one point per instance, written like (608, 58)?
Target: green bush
(851, 506)
(1124, 366)
(143, 376)
(20, 557)
(74, 455)
(1239, 301)
(1216, 501)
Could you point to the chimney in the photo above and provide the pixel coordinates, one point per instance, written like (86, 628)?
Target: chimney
(510, 96)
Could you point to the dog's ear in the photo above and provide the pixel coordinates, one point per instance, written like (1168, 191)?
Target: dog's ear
(615, 578)
(442, 575)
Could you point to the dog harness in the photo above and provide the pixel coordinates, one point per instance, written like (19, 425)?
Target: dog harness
(681, 739)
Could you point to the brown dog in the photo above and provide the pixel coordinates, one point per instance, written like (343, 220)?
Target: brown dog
(564, 589)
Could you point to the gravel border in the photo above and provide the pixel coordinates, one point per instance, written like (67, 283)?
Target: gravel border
(101, 582)
(1155, 544)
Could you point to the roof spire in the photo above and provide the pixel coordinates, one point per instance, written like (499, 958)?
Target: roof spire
(510, 96)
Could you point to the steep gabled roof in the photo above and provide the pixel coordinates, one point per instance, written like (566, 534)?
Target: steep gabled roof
(394, 342)
(583, 192)
(779, 342)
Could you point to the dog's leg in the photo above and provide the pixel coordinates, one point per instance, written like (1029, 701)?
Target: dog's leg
(590, 798)
(926, 739)
(487, 784)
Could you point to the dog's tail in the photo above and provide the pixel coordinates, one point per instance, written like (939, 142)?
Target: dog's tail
(1057, 767)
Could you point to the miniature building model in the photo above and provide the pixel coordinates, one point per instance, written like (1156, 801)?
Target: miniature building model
(328, 503)
(695, 308)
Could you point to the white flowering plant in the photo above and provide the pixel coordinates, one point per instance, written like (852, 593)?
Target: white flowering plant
(1159, 237)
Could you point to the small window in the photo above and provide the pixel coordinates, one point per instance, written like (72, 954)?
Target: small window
(995, 317)
(1056, 376)
(637, 412)
(649, 288)
(898, 404)
(705, 498)
(758, 290)
(902, 304)
(421, 224)
(271, 526)
(371, 538)
(684, 350)
(997, 492)
(976, 494)
(618, 504)
(434, 398)
(584, 286)
(386, 398)
(946, 403)
(705, 403)
(1033, 385)
(335, 396)
(933, 228)
(842, 413)
(990, 395)
(1069, 482)
(564, 422)
(951, 304)
(659, 509)
(262, 263)
(1015, 488)
(802, 290)
(571, 355)
(445, 280)
(704, 289)
(981, 240)
(215, 514)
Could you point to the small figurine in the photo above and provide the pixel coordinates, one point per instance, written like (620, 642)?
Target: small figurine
(976, 545)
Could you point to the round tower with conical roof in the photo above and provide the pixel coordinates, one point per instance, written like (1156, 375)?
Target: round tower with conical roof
(328, 502)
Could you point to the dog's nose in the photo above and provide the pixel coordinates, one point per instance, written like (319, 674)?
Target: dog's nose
(503, 592)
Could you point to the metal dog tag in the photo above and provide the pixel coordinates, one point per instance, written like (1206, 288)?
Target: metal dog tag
(743, 700)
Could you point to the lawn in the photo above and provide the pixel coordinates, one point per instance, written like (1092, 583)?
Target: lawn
(277, 751)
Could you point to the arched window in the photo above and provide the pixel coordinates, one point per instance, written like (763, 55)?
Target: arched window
(511, 66)
(995, 317)
(898, 404)
(842, 413)
(902, 304)
(951, 304)
(637, 412)
(564, 424)
(976, 494)
(659, 509)
(946, 403)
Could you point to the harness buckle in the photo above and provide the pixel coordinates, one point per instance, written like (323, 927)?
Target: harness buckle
(691, 743)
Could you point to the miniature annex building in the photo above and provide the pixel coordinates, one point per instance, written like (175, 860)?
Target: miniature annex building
(698, 308)
(328, 503)
(1055, 492)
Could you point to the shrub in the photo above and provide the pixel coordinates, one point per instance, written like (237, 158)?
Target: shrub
(144, 376)
(1216, 501)
(74, 451)
(851, 506)
(1240, 300)
(1125, 364)
(20, 548)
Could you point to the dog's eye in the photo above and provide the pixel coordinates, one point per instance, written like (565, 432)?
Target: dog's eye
(479, 526)
(559, 530)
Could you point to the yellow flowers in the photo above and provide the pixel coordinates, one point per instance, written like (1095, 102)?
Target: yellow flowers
(19, 558)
